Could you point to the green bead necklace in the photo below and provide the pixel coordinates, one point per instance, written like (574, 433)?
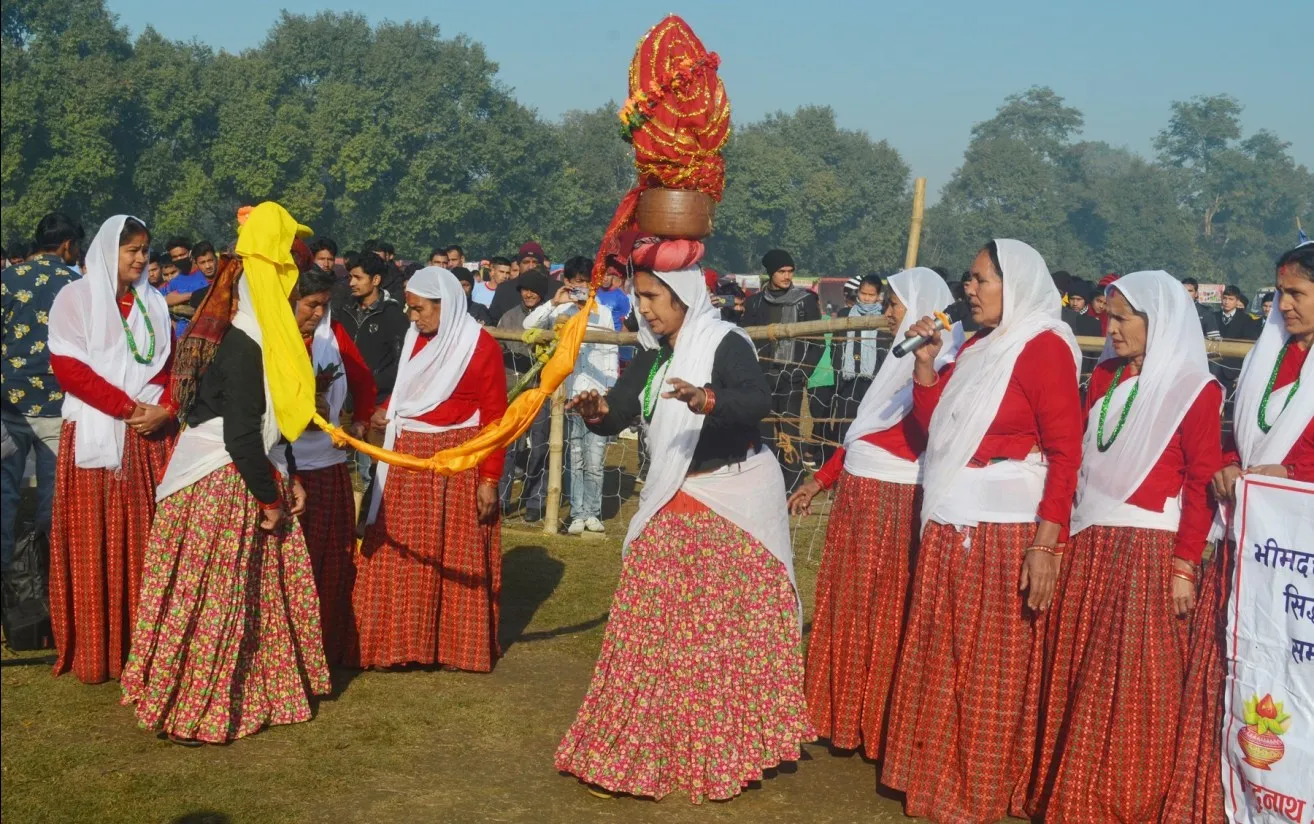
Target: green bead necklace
(1264, 425)
(150, 330)
(650, 402)
(1104, 410)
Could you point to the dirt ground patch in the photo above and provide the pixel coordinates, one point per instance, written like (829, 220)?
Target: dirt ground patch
(415, 746)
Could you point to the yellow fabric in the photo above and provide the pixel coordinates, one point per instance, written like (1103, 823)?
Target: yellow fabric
(265, 245)
(519, 414)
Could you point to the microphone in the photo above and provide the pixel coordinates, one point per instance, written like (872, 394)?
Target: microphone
(954, 313)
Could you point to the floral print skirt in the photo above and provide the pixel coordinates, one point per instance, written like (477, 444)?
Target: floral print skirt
(699, 685)
(227, 638)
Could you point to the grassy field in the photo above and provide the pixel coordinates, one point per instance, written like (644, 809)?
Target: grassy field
(393, 747)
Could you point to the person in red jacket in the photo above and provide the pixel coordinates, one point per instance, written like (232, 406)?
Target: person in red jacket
(329, 519)
(429, 575)
(862, 588)
(1120, 631)
(1000, 469)
(110, 346)
(1273, 435)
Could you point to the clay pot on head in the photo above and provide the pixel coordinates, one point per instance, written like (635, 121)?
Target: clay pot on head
(676, 213)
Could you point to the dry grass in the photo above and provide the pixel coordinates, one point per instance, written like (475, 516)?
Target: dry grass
(387, 747)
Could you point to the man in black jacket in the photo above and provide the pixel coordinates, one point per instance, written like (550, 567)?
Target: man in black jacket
(787, 362)
(1083, 324)
(376, 322)
(1234, 321)
(1208, 318)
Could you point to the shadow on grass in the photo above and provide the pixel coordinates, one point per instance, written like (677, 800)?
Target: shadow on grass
(529, 577)
(44, 660)
(203, 817)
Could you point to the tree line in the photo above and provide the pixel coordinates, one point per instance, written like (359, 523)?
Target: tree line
(394, 131)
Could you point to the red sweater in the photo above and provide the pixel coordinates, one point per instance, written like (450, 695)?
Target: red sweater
(1187, 464)
(1041, 408)
(360, 380)
(481, 389)
(1300, 460)
(907, 440)
(80, 380)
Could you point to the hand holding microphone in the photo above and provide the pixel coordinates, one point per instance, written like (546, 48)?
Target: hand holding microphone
(923, 337)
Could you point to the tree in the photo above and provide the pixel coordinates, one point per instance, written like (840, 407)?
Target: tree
(834, 197)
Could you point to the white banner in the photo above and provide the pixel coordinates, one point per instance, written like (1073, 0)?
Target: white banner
(1268, 711)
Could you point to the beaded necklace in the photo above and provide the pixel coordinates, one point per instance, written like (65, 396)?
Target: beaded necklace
(1104, 411)
(1264, 426)
(649, 402)
(150, 330)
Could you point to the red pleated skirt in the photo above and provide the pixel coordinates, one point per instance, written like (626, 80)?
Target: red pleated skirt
(857, 625)
(1195, 795)
(1117, 654)
(963, 726)
(429, 574)
(329, 523)
(99, 527)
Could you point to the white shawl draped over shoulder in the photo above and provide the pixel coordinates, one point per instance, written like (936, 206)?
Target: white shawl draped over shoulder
(85, 324)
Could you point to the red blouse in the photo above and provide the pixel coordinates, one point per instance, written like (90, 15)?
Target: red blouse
(1300, 460)
(907, 441)
(1186, 466)
(80, 380)
(1041, 408)
(481, 389)
(360, 380)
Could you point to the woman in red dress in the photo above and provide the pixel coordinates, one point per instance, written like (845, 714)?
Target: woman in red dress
(1273, 434)
(999, 472)
(862, 588)
(329, 520)
(430, 570)
(110, 347)
(1119, 633)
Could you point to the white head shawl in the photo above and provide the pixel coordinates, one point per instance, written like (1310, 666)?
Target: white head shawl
(970, 402)
(1175, 371)
(675, 429)
(1287, 419)
(889, 398)
(429, 377)
(85, 324)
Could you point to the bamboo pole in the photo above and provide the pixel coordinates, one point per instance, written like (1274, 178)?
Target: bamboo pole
(915, 230)
(556, 445)
(808, 328)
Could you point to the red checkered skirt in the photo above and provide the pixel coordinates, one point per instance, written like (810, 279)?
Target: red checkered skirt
(862, 593)
(329, 523)
(1116, 650)
(429, 574)
(101, 521)
(1195, 795)
(964, 715)
(227, 637)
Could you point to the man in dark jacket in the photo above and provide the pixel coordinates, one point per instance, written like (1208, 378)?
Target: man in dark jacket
(1208, 318)
(786, 362)
(376, 322)
(507, 294)
(1081, 323)
(1234, 321)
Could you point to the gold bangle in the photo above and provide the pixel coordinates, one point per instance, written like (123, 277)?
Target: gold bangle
(1177, 573)
(1057, 553)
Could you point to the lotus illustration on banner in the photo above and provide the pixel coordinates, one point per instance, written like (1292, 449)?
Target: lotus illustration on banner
(1259, 739)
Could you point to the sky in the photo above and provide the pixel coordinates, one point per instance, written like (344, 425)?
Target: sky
(918, 74)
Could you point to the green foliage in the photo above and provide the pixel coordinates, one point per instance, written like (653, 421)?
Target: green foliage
(393, 131)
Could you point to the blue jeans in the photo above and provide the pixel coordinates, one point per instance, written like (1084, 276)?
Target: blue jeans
(39, 435)
(588, 452)
(530, 449)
